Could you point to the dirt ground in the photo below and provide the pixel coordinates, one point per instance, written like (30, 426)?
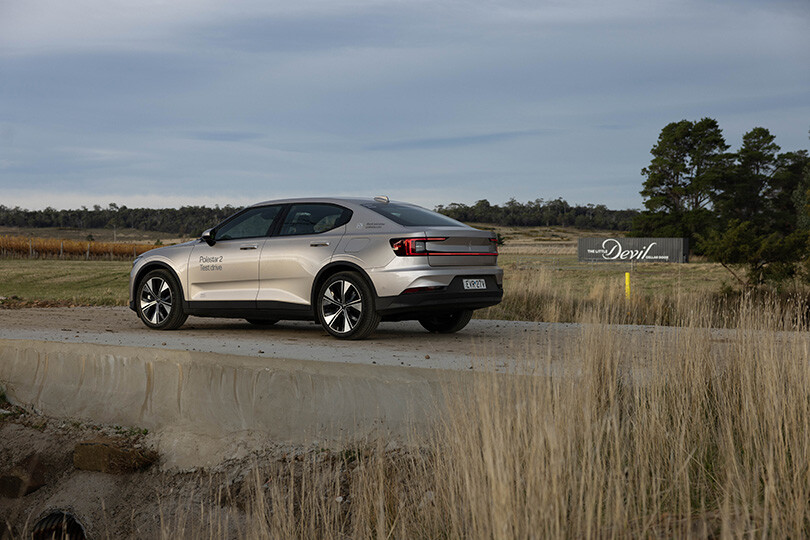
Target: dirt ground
(147, 504)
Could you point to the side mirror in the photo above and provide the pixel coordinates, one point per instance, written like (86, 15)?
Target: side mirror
(208, 237)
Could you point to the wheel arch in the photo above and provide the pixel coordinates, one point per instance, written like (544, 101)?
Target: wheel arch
(156, 265)
(330, 270)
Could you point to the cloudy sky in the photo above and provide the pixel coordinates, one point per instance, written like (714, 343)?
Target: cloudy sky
(171, 102)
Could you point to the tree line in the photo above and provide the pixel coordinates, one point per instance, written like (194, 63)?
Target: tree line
(192, 220)
(538, 212)
(748, 208)
(185, 222)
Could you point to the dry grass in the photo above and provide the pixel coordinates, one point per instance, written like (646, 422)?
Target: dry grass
(691, 438)
(539, 288)
(38, 248)
(543, 281)
(125, 235)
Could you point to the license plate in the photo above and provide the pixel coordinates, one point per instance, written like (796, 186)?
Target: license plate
(474, 284)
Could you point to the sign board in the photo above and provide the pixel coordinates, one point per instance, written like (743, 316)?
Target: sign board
(672, 250)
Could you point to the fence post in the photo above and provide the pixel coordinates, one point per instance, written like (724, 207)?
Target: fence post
(627, 285)
(61, 250)
(30, 248)
(88, 251)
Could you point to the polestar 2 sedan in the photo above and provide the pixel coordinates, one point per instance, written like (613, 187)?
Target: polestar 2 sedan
(347, 263)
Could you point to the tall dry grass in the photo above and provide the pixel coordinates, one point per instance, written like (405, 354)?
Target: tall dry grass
(679, 432)
(537, 294)
(690, 439)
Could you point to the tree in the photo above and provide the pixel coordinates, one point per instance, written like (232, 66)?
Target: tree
(742, 194)
(761, 206)
(749, 208)
(688, 161)
(766, 257)
(801, 199)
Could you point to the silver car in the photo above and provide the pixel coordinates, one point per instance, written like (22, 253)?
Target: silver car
(346, 263)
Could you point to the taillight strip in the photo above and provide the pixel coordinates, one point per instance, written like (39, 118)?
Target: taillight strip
(432, 253)
(406, 247)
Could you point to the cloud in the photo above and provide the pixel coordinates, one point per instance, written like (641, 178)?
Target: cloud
(453, 100)
(468, 140)
(225, 136)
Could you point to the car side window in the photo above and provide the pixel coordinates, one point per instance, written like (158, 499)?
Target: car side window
(252, 223)
(314, 218)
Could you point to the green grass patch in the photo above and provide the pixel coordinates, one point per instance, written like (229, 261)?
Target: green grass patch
(99, 283)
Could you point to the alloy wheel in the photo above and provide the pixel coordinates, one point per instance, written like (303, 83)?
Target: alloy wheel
(342, 306)
(156, 300)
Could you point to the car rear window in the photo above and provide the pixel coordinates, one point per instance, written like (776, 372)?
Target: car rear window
(412, 216)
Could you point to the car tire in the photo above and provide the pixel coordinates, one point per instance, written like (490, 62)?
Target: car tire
(447, 322)
(262, 322)
(159, 301)
(345, 306)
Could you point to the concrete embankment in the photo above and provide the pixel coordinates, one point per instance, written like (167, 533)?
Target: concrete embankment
(219, 388)
(204, 407)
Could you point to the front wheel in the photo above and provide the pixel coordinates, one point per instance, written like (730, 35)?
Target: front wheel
(160, 301)
(446, 323)
(345, 306)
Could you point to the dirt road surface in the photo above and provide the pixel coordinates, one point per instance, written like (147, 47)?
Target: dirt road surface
(395, 344)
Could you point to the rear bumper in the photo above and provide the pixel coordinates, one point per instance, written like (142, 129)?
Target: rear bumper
(451, 298)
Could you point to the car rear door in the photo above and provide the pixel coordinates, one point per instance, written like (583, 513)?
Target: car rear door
(305, 242)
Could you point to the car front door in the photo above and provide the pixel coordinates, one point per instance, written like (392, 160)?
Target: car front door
(228, 271)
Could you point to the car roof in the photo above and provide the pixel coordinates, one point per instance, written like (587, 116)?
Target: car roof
(333, 200)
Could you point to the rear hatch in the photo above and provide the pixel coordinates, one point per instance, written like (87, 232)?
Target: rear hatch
(455, 246)
(447, 242)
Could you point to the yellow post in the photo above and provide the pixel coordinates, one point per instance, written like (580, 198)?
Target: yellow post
(627, 285)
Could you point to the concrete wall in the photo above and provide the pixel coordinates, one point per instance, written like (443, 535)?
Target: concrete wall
(204, 407)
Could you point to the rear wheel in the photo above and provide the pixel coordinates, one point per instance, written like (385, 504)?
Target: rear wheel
(262, 322)
(160, 301)
(446, 323)
(345, 306)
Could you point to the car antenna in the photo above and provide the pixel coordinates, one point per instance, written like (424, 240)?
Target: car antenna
(382, 199)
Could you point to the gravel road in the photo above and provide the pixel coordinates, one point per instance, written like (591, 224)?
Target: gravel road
(402, 343)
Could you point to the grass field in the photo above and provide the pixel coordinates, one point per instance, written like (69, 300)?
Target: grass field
(646, 278)
(26, 282)
(533, 283)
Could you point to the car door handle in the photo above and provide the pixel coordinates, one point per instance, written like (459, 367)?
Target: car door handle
(249, 246)
(319, 244)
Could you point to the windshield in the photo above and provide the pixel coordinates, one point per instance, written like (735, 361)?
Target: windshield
(412, 216)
